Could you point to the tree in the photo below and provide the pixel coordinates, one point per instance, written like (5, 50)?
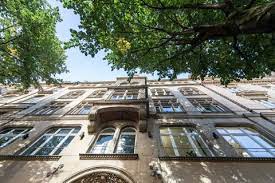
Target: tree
(30, 52)
(229, 39)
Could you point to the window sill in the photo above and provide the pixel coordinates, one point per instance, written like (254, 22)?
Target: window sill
(218, 159)
(88, 156)
(30, 158)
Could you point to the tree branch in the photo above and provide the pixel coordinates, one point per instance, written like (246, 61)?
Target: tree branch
(250, 4)
(216, 6)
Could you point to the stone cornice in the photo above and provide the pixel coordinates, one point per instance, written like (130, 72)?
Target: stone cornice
(29, 158)
(219, 159)
(108, 156)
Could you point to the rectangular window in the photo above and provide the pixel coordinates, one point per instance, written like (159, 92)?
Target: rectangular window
(267, 103)
(34, 99)
(50, 108)
(207, 105)
(189, 91)
(183, 141)
(125, 95)
(168, 105)
(97, 94)
(8, 135)
(234, 89)
(161, 92)
(73, 94)
(52, 142)
(248, 142)
(82, 108)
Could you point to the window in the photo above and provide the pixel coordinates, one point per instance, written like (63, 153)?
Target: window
(125, 94)
(126, 142)
(97, 94)
(161, 92)
(267, 103)
(207, 105)
(106, 143)
(168, 105)
(82, 108)
(187, 91)
(248, 141)
(52, 142)
(183, 141)
(8, 135)
(73, 94)
(34, 99)
(50, 108)
(103, 141)
(234, 89)
(6, 98)
(9, 111)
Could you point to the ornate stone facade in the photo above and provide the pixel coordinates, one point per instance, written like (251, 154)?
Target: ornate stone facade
(143, 131)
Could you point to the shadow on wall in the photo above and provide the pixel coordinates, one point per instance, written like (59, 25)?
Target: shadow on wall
(25, 171)
(206, 172)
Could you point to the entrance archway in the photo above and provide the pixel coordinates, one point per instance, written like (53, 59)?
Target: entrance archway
(100, 175)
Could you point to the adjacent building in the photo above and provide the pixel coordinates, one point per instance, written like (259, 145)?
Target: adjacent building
(142, 131)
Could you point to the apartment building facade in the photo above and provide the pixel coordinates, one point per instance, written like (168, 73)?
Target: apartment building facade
(139, 131)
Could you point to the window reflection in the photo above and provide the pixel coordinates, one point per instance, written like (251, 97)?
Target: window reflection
(183, 141)
(126, 143)
(52, 142)
(103, 141)
(248, 142)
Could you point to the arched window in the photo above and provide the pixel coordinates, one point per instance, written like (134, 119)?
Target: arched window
(103, 141)
(126, 142)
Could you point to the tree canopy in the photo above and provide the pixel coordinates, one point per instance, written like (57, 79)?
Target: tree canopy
(229, 39)
(30, 52)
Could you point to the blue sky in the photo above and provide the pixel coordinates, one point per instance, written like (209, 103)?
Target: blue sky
(81, 67)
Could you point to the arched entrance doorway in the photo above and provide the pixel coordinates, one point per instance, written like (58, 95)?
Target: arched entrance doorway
(100, 175)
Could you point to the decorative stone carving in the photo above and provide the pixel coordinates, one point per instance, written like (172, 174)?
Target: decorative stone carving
(100, 177)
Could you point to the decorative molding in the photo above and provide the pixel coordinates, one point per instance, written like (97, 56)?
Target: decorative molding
(219, 159)
(108, 156)
(29, 158)
(91, 175)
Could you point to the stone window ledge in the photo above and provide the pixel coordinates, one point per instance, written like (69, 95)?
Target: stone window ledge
(30, 158)
(88, 156)
(219, 159)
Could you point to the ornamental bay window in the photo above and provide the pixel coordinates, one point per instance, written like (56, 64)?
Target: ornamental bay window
(72, 94)
(183, 141)
(189, 91)
(50, 108)
(97, 94)
(161, 92)
(52, 142)
(107, 143)
(125, 94)
(207, 105)
(168, 105)
(248, 141)
(9, 135)
(82, 108)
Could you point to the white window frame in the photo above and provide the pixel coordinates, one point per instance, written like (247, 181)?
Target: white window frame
(66, 136)
(15, 136)
(244, 133)
(126, 133)
(190, 140)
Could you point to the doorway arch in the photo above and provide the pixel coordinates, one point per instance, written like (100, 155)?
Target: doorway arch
(101, 174)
